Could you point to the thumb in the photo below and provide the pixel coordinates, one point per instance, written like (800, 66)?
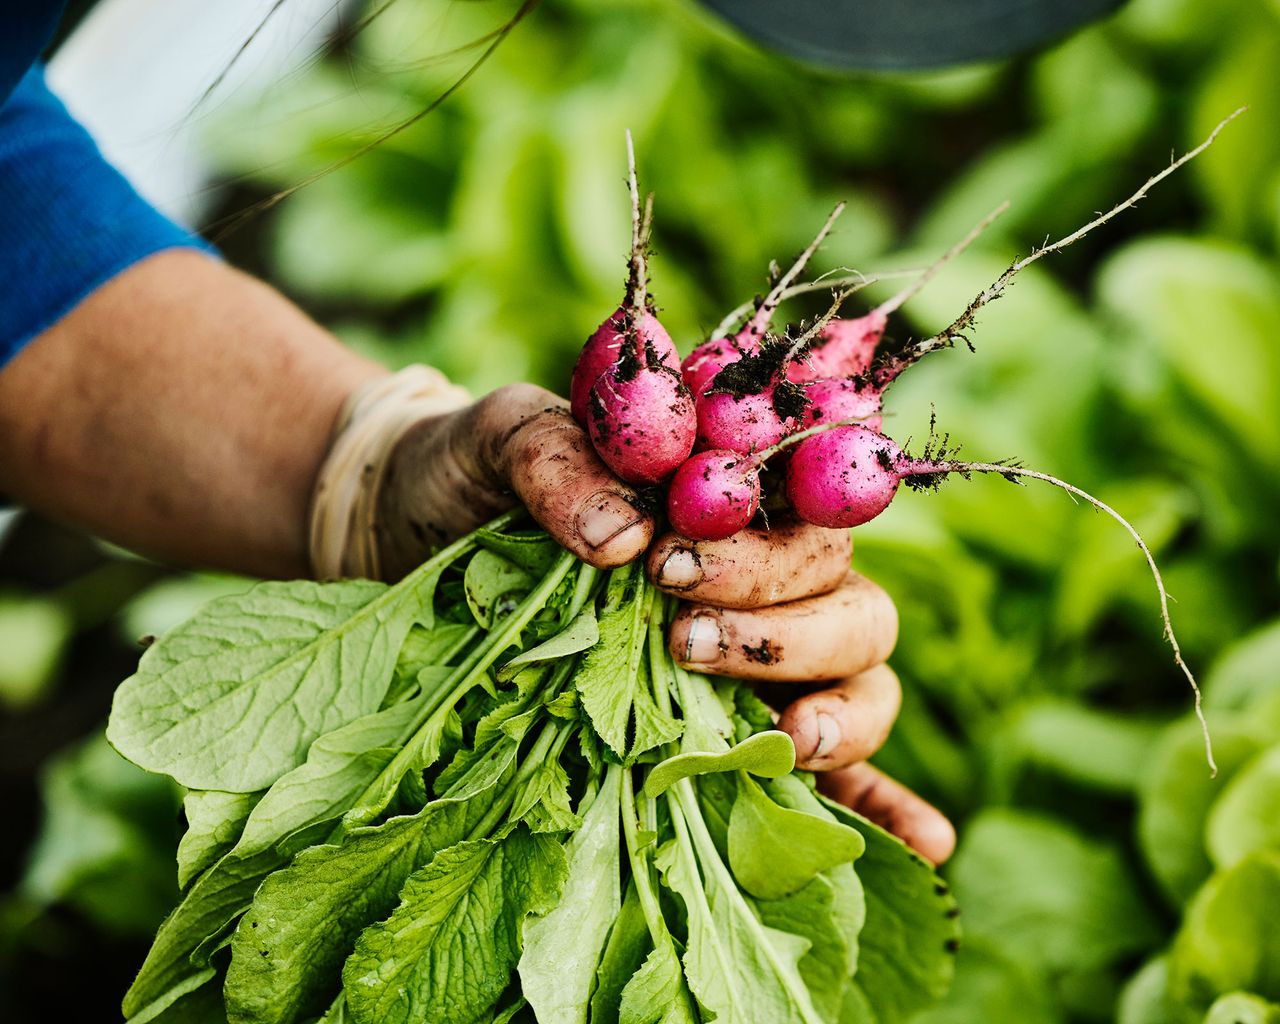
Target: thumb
(547, 459)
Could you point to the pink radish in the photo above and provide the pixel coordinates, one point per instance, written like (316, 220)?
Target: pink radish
(749, 421)
(641, 419)
(844, 348)
(714, 495)
(848, 475)
(638, 412)
(633, 323)
(701, 366)
(844, 477)
(848, 398)
(751, 405)
(601, 351)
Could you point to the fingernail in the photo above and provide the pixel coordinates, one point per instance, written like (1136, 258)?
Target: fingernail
(605, 515)
(681, 570)
(829, 736)
(703, 645)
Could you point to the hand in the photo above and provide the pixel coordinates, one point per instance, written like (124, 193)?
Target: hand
(454, 472)
(779, 607)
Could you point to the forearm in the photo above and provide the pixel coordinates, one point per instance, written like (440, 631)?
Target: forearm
(183, 410)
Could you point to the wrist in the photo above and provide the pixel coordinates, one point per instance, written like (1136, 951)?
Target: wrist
(355, 495)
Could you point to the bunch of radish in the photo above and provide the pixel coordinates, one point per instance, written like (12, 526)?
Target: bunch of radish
(805, 400)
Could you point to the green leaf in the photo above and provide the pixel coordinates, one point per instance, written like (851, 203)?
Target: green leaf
(34, 632)
(989, 986)
(907, 948)
(215, 821)
(104, 845)
(562, 948)
(767, 754)
(1145, 998)
(613, 678)
(1228, 940)
(577, 636)
(170, 601)
(656, 993)
(445, 954)
(232, 699)
(1234, 175)
(289, 947)
(827, 913)
(1101, 749)
(158, 1008)
(338, 768)
(543, 802)
(738, 968)
(535, 553)
(1178, 291)
(497, 738)
(512, 1012)
(1176, 795)
(426, 650)
(202, 1005)
(1246, 670)
(623, 955)
(1242, 1008)
(1050, 897)
(776, 851)
(494, 587)
(1246, 817)
(210, 906)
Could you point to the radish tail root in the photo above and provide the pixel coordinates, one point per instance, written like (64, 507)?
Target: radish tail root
(637, 283)
(916, 286)
(849, 281)
(956, 331)
(761, 319)
(1011, 472)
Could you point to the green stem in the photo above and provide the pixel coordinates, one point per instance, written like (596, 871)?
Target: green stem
(640, 864)
(466, 676)
(532, 762)
(709, 858)
(588, 577)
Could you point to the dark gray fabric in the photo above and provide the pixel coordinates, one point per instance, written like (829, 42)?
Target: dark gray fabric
(902, 34)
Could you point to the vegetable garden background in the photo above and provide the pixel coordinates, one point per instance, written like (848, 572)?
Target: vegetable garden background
(1102, 875)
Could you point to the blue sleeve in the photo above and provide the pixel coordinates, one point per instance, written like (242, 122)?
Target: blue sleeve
(69, 221)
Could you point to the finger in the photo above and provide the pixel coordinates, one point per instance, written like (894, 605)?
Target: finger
(893, 807)
(548, 460)
(753, 568)
(848, 723)
(831, 636)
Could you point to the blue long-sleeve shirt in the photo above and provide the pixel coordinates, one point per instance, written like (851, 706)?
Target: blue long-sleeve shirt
(69, 221)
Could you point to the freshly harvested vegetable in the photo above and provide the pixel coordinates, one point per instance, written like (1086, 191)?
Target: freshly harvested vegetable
(488, 794)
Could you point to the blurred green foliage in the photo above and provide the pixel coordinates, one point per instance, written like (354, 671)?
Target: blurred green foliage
(1103, 874)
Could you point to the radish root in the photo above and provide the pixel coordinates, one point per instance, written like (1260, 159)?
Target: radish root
(1011, 472)
(849, 280)
(956, 331)
(763, 315)
(638, 283)
(930, 272)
